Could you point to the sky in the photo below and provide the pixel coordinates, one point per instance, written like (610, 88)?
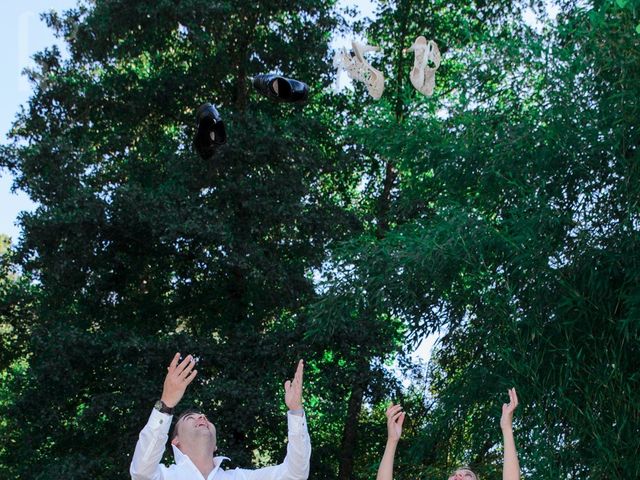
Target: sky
(22, 34)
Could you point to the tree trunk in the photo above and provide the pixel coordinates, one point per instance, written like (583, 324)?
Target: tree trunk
(350, 433)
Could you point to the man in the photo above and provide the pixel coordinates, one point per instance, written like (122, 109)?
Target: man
(194, 437)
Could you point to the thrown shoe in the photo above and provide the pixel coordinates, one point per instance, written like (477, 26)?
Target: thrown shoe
(211, 132)
(281, 89)
(359, 69)
(423, 75)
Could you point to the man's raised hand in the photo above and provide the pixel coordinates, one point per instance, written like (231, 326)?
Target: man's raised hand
(179, 376)
(293, 389)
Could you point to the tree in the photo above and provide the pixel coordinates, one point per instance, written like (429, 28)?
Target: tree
(140, 248)
(515, 234)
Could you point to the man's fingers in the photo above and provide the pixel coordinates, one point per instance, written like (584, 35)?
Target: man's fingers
(297, 377)
(300, 371)
(174, 362)
(189, 378)
(183, 374)
(184, 363)
(293, 388)
(296, 383)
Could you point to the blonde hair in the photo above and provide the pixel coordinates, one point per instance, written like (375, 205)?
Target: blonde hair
(464, 468)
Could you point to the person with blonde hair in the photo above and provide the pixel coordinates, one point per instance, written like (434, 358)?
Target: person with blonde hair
(511, 466)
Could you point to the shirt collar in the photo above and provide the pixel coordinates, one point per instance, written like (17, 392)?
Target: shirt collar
(181, 457)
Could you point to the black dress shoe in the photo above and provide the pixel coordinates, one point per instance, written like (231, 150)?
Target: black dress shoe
(281, 89)
(211, 132)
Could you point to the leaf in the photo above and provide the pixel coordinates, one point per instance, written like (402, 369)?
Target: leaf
(622, 3)
(638, 28)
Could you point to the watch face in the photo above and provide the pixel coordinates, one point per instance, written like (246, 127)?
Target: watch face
(159, 405)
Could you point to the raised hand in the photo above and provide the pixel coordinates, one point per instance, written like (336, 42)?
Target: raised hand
(293, 389)
(179, 376)
(511, 465)
(506, 420)
(395, 419)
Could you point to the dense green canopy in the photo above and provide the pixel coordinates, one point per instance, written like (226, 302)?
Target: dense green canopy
(503, 213)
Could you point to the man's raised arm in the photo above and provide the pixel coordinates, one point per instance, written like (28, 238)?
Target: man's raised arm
(296, 464)
(145, 464)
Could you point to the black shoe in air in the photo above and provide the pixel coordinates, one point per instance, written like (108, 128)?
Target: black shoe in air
(211, 133)
(281, 89)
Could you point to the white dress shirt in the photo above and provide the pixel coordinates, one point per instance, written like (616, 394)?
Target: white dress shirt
(146, 465)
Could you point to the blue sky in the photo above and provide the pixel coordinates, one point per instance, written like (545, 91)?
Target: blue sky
(22, 34)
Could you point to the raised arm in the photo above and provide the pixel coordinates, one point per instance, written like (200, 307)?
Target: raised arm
(395, 419)
(145, 464)
(296, 464)
(511, 466)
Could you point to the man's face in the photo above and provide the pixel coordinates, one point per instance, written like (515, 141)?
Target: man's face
(463, 474)
(194, 427)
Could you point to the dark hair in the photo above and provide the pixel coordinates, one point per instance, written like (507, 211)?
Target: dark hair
(188, 411)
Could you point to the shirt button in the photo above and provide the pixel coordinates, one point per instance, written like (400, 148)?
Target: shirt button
(161, 420)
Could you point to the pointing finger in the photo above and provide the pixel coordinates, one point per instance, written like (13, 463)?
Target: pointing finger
(301, 370)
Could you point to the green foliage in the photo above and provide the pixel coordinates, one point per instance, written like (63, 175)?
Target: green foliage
(502, 213)
(139, 248)
(514, 232)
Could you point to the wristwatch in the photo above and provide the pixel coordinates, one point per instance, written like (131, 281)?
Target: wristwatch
(161, 407)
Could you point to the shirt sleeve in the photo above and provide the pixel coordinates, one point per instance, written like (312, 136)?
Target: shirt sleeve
(295, 465)
(145, 464)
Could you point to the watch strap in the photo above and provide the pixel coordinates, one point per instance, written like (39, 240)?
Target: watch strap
(163, 408)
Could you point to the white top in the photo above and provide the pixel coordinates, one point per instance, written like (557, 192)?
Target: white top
(146, 465)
